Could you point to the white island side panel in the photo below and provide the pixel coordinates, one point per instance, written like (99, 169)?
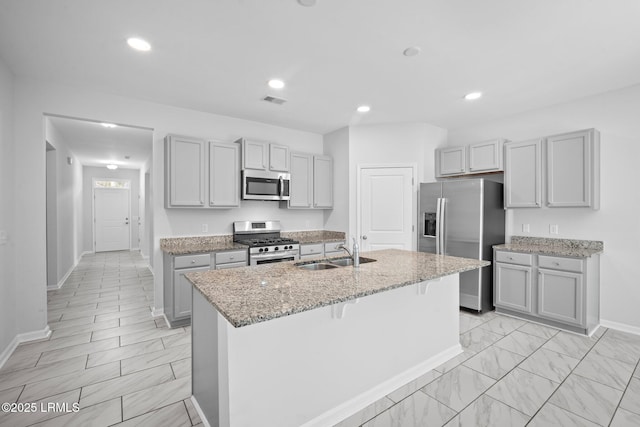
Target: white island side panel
(318, 367)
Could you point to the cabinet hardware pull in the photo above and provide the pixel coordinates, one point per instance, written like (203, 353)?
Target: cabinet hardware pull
(193, 261)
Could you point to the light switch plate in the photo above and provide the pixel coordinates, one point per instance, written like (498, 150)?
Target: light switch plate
(526, 228)
(553, 228)
(205, 228)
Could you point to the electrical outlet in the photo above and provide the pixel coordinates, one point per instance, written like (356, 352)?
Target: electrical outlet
(205, 228)
(553, 228)
(526, 228)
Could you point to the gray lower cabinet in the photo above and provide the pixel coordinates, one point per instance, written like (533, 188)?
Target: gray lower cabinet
(178, 290)
(559, 291)
(329, 249)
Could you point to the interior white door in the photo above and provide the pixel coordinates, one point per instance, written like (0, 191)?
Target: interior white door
(386, 208)
(111, 218)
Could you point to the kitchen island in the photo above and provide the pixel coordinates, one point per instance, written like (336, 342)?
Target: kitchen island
(278, 345)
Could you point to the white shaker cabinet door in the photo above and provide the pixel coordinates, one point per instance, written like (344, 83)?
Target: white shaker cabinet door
(322, 182)
(301, 190)
(513, 287)
(561, 296)
(486, 156)
(278, 158)
(224, 175)
(451, 161)
(182, 289)
(186, 171)
(523, 174)
(573, 169)
(255, 154)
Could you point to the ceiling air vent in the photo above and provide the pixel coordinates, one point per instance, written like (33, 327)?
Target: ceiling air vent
(274, 100)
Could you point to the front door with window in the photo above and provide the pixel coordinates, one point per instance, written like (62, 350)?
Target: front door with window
(111, 217)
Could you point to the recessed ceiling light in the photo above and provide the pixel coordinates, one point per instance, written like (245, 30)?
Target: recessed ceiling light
(112, 167)
(109, 125)
(364, 109)
(412, 51)
(473, 95)
(307, 3)
(139, 44)
(276, 84)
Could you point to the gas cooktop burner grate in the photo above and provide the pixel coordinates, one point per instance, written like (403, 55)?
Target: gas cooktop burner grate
(266, 242)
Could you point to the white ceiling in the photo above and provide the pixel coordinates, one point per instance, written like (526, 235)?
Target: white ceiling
(95, 145)
(217, 55)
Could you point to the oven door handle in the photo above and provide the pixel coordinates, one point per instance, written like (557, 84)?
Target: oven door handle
(271, 255)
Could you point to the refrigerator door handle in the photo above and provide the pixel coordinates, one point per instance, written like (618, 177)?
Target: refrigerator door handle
(441, 225)
(438, 221)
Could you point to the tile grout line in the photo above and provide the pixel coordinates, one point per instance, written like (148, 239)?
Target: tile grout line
(563, 381)
(625, 392)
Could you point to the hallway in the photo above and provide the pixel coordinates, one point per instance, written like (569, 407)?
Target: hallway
(106, 352)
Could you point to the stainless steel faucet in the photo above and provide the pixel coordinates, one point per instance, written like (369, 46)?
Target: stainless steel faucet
(354, 254)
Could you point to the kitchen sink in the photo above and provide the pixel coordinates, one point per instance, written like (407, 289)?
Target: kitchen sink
(331, 263)
(317, 266)
(345, 262)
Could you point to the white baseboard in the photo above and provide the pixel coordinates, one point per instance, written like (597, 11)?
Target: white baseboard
(352, 406)
(7, 352)
(157, 312)
(20, 338)
(86, 253)
(65, 277)
(204, 420)
(620, 327)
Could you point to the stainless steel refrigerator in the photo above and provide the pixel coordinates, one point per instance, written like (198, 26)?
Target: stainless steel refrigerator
(464, 218)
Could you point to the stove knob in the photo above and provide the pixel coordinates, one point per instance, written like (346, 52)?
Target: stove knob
(266, 249)
(276, 248)
(287, 247)
(260, 250)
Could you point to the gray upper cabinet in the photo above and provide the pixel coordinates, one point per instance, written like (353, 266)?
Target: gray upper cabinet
(255, 154)
(184, 171)
(523, 174)
(262, 155)
(301, 180)
(224, 173)
(481, 157)
(322, 182)
(573, 169)
(200, 174)
(278, 158)
(451, 161)
(486, 156)
(311, 181)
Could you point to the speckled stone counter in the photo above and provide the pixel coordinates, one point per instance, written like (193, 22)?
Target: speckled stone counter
(315, 236)
(249, 295)
(198, 244)
(556, 247)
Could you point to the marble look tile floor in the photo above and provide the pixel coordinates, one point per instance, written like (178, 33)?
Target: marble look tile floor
(517, 373)
(106, 353)
(126, 368)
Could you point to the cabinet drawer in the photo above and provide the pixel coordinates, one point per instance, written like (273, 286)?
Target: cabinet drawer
(332, 247)
(560, 263)
(514, 258)
(200, 260)
(227, 257)
(314, 249)
(231, 265)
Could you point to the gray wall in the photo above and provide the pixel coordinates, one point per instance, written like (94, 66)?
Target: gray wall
(8, 326)
(67, 203)
(90, 172)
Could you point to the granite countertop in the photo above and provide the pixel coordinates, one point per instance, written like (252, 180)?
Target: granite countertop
(315, 236)
(249, 295)
(556, 247)
(198, 244)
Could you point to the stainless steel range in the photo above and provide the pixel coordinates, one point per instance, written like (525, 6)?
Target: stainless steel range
(264, 241)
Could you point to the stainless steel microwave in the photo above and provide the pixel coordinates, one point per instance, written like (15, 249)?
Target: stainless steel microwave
(264, 185)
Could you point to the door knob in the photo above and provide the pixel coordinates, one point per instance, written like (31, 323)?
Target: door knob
(364, 237)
